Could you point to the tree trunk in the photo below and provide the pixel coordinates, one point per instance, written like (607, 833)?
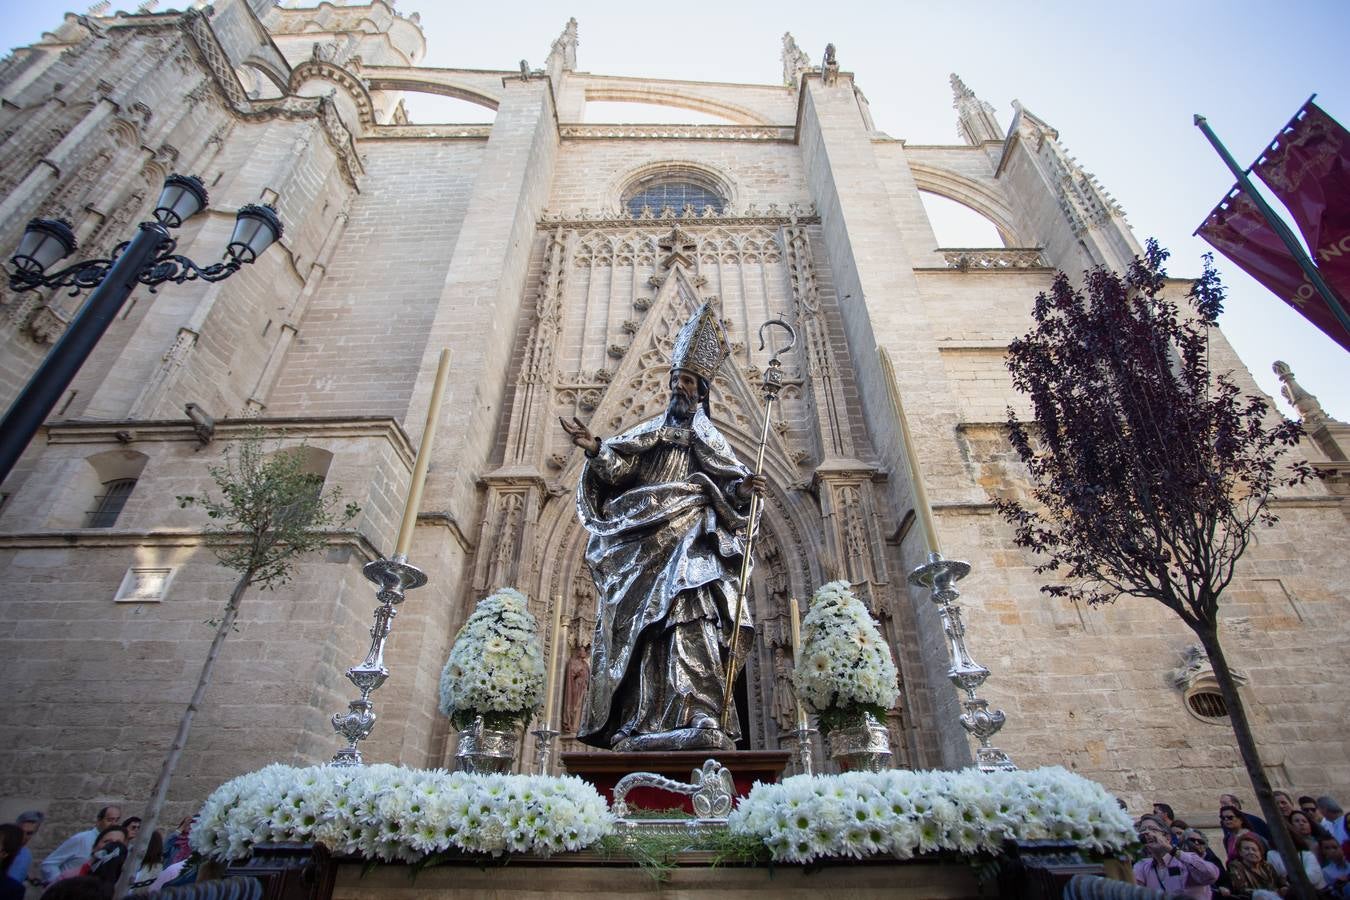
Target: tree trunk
(1251, 757)
(161, 791)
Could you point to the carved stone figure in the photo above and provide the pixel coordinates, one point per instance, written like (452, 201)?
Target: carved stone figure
(574, 687)
(664, 503)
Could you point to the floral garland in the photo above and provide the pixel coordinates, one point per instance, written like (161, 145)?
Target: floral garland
(845, 667)
(902, 813)
(395, 813)
(495, 669)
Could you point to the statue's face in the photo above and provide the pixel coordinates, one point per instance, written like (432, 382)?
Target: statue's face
(684, 393)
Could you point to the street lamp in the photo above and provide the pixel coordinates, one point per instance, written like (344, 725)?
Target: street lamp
(146, 259)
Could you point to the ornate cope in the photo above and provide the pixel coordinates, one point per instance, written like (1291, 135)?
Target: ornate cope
(660, 502)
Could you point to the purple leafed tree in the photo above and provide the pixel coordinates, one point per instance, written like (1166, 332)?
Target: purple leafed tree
(1150, 471)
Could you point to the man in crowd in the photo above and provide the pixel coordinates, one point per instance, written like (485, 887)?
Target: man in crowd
(29, 822)
(1175, 872)
(74, 851)
(1334, 818)
(1334, 867)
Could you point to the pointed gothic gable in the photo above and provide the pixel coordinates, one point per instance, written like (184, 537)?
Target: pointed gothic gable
(639, 388)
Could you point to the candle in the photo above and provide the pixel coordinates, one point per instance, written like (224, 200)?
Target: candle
(796, 654)
(550, 680)
(419, 475)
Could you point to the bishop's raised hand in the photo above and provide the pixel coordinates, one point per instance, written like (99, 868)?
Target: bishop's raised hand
(580, 434)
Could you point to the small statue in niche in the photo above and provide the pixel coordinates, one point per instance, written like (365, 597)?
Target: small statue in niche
(577, 676)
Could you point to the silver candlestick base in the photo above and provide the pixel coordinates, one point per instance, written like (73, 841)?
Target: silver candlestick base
(392, 577)
(543, 749)
(804, 760)
(940, 576)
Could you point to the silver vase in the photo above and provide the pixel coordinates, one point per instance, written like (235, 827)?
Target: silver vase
(483, 750)
(864, 747)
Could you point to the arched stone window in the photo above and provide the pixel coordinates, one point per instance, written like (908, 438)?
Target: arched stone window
(96, 489)
(674, 187)
(314, 464)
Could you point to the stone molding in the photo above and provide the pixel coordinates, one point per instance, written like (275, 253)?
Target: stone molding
(111, 538)
(422, 132)
(680, 132)
(993, 258)
(167, 430)
(771, 216)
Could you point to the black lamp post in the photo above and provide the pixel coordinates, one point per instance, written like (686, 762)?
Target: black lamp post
(146, 259)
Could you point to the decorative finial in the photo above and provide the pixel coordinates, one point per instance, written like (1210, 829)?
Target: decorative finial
(1309, 409)
(960, 91)
(795, 61)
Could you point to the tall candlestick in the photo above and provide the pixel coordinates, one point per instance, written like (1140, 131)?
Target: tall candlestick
(419, 475)
(550, 680)
(795, 611)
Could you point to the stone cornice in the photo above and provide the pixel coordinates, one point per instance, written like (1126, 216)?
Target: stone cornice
(428, 132)
(772, 216)
(132, 431)
(680, 132)
(95, 538)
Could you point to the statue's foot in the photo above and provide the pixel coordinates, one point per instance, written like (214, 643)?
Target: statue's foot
(695, 737)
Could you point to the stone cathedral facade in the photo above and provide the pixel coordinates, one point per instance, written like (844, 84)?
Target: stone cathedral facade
(556, 260)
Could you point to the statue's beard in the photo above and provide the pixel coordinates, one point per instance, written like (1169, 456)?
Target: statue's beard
(682, 406)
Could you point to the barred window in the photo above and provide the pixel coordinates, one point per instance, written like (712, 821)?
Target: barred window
(108, 505)
(1208, 704)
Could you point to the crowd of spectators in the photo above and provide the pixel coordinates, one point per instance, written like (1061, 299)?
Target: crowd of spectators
(1243, 863)
(88, 863)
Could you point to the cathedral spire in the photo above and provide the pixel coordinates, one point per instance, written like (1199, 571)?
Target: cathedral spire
(974, 118)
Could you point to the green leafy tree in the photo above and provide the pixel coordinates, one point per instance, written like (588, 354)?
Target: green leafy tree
(270, 512)
(1150, 471)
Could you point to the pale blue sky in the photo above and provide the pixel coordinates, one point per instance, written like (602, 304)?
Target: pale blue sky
(1120, 83)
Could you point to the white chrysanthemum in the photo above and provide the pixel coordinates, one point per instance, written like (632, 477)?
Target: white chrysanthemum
(845, 662)
(397, 814)
(496, 665)
(906, 813)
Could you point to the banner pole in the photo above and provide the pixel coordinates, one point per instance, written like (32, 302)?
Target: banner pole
(1277, 224)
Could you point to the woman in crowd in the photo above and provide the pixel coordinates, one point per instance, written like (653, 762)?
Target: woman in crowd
(1248, 870)
(153, 863)
(1299, 827)
(1233, 826)
(105, 861)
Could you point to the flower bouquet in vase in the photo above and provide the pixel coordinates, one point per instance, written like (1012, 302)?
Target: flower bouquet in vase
(493, 681)
(847, 678)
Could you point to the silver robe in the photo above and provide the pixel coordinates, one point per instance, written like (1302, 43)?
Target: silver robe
(660, 504)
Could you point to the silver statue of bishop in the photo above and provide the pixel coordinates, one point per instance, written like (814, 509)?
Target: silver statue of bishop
(665, 504)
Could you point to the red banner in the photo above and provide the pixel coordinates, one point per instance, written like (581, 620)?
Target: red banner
(1308, 168)
(1237, 229)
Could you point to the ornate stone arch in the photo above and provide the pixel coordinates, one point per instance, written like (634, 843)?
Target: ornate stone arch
(312, 69)
(970, 194)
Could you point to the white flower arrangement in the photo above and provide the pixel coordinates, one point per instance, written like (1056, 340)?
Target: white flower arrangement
(902, 813)
(393, 813)
(845, 667)
(496, 668)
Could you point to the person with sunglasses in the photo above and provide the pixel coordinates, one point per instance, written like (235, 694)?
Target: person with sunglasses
(1175, 872)
(1196, 842)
